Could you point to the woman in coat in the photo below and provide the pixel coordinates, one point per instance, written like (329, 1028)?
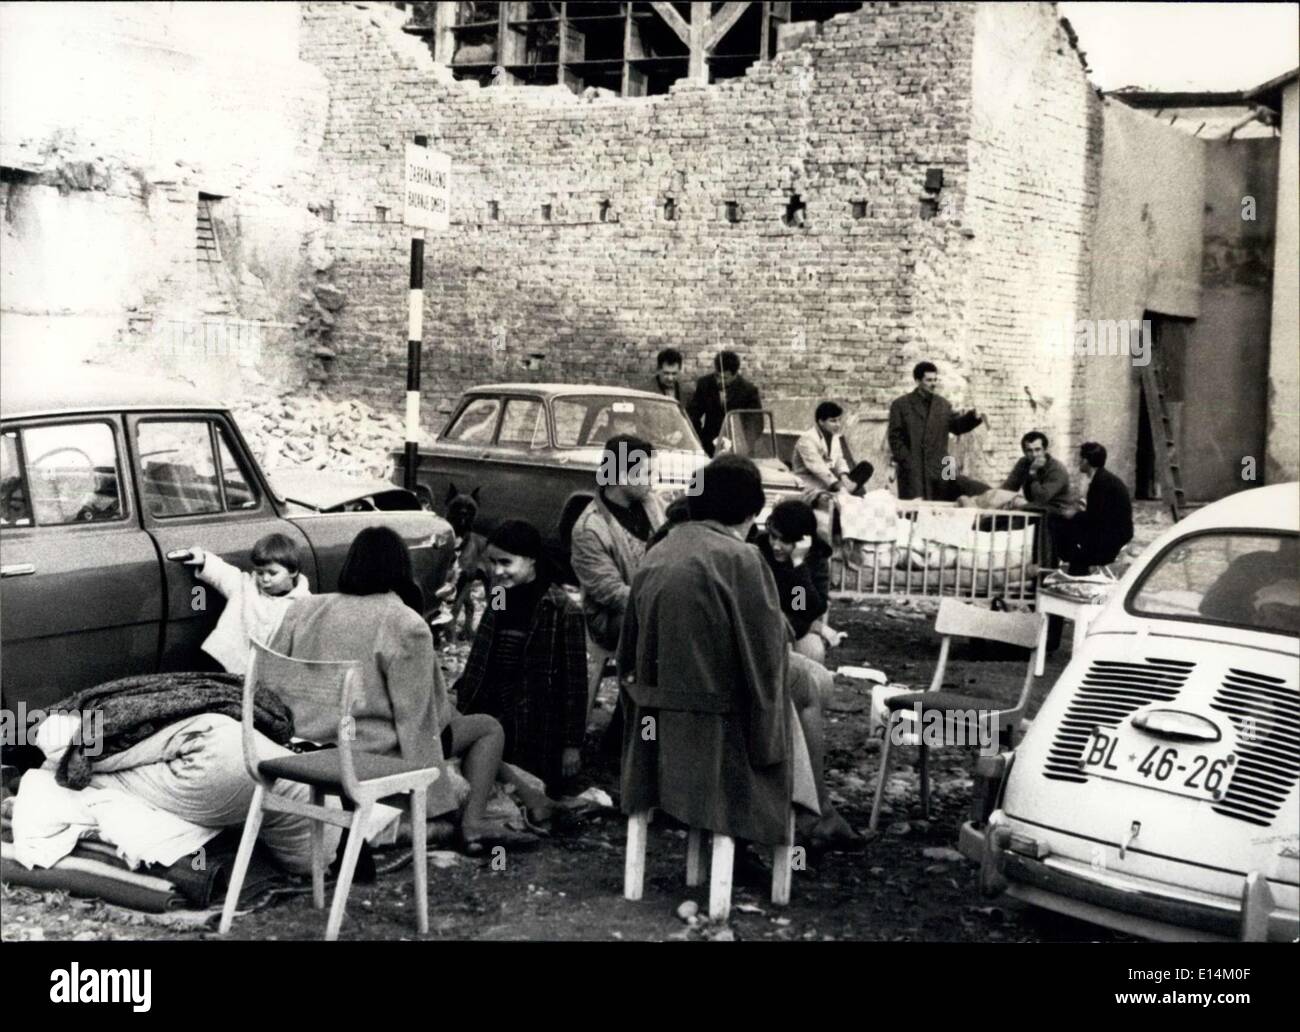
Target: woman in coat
(403, 709)
(528, 664)
(703, 670)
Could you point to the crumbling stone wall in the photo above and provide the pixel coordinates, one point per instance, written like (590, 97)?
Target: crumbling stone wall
(562, 244)
(119, 115)
(1035, 154)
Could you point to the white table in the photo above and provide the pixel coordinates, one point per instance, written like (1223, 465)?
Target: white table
(1076, 610)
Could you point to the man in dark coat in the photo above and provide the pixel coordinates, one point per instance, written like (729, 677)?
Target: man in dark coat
(718, 393)
(1095, 536)
(702, 668)
(919, 424)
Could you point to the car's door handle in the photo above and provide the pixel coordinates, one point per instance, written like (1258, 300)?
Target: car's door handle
(17, 570)
(485, 455)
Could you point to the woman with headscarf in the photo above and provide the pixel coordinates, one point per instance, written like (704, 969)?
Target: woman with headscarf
(528, 664)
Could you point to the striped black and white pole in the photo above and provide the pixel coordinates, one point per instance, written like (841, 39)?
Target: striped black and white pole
(414, 341)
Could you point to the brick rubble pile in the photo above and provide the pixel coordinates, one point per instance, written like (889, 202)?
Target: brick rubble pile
(315, 431)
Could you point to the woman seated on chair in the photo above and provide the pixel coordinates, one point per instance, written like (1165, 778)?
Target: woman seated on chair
(403, 709)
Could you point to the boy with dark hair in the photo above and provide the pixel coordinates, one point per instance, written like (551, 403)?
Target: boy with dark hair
(255, 602)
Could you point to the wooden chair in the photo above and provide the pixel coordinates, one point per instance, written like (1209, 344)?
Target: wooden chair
(958, 618)
(721, 869)
(361, 779)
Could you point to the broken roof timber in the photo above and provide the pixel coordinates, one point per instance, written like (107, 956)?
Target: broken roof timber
(1161, 99)
(1269, 94)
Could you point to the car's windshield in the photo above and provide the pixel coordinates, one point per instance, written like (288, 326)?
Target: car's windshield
(589, 420)
(1239, 578)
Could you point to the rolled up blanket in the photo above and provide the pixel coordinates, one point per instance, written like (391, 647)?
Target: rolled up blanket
(130, 709)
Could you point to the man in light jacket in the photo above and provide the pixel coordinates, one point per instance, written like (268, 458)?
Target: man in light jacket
(608, 542)
(822, 460)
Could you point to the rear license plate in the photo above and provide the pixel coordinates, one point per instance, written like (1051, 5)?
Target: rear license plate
(1198, 773)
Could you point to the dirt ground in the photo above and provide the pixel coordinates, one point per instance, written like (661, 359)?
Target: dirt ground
(907, 886)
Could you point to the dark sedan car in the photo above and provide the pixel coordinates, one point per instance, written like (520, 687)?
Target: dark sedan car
(532, 450)
(101, 476)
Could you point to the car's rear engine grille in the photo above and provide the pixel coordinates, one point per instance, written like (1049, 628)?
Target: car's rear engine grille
(1266, 714)
(1109, 692)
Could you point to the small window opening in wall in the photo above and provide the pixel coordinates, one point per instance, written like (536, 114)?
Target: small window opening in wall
(546, 213)
(381, 212)
(494, 211)
(929, 207)
(670, 209)
(795, 211)
(205, 235)
(15, 175)
(604, 211)
(733, 211)
(859, 209)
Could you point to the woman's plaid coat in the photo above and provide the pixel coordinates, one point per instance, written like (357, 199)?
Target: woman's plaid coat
(549, 714)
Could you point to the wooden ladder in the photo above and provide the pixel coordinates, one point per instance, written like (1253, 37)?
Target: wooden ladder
(1162, 438)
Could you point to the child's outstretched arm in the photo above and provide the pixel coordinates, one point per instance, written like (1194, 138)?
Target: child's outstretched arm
(212, 569)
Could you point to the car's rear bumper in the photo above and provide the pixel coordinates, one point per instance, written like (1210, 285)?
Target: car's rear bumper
(1137, 906)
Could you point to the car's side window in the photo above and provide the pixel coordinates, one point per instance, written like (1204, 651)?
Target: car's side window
(521, 422)
(15, 511)
(476, 423)
(571, 415)
(71, 476)
(179, 472)
(240, 490)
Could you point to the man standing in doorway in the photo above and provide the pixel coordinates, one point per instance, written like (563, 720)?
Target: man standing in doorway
(718, 393)
(919, 424)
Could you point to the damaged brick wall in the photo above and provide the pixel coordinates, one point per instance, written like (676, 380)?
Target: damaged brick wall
(785, 214)
(144, 108)
(1035, 181)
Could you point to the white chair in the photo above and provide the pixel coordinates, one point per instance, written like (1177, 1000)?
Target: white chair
(962, 619)
(721, 868)
(361, 779)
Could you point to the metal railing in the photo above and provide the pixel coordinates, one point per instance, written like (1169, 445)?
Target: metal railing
(944, 550)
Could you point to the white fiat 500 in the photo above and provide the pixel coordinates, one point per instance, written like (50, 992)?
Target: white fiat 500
(1156, 791)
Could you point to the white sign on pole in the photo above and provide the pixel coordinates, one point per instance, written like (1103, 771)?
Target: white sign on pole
(428, 187)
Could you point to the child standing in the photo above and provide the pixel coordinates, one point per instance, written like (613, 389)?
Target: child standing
(255, 602)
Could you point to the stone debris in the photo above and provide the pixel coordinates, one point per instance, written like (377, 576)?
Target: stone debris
(311, 430)
(944, 853)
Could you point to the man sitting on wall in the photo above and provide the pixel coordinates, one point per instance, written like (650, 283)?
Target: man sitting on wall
(822, 460)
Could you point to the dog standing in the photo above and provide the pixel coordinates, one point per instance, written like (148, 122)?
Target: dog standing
(471, 559)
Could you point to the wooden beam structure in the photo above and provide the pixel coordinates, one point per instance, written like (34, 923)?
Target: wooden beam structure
(564, 28)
